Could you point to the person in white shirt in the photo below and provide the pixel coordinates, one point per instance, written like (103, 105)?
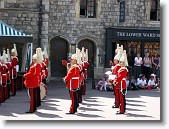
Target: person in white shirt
(142, 82)
(137, 65)
(152, 83)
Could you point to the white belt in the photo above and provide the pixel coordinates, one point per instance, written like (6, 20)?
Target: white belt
(124, 79)
(4, 75)
(73, 78)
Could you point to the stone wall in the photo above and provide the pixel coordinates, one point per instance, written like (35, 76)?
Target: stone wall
(61, 18)
(22, 15)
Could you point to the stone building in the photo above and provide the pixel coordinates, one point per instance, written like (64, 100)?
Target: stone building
(63, 25)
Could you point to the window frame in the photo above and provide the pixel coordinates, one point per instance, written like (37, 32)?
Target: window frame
(156, 11)
(87, 9)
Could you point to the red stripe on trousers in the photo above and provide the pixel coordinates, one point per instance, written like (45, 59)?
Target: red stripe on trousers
(122, 102)
(117, 97)
(73, 102)
(32, 100)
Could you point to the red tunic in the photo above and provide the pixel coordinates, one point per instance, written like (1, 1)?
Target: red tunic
(43, 65)
(8, 64)
(32, 78)
(46, 62)
(115, 70)
(72, 77)
(14, 62)
(4, 73)
(121, 78)
(0, 73)
(85, 66)
(81, 74)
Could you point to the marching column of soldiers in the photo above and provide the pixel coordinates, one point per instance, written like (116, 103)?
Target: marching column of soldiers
(8, 74)
(75, 78)
(119, 80)
(35, 78)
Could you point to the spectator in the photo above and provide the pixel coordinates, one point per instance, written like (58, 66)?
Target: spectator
(110, 63)
(137, 65)
(128, 82)
(109, 86)
(101, 84)
(141, 82)
(133, 84)
(147, 65)
(152, 82)
(156, 64)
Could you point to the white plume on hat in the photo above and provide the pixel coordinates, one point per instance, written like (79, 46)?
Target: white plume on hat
(78, 53)
(38, 56)
(4, 61)
(74, 57)
(83, 54)
(9, 57)
(124, 58)
(118, 55)
(77, 50)
(12, 50)
(117, 49)
(16, 54)
(121, 48)
(126, 61)
(34, 57)
(86, 56)
(45, 52)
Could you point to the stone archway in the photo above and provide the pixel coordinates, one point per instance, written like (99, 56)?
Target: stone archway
(58, 51)
(88, 44)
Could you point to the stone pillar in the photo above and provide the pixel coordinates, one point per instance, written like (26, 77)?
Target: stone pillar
(45, 22)
(77, 8)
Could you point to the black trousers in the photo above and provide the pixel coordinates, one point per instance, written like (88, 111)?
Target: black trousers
(38, 97)
(74, 101)
(32, 92)
(146, 71)
(79, 93)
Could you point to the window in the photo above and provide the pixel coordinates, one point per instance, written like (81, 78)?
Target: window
(88, 8)
(122, 11)
(151, 47)
(155, 10)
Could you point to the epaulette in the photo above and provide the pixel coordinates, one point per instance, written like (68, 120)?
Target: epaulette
(122, 69)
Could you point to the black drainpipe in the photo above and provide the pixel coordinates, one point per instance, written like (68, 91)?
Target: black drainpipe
(40, 23)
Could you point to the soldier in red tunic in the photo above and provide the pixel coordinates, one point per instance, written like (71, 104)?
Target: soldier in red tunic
(120, 82)
(14, 63)
(0, 79)
(32, 80)
(114, 73)
(85, 66)
(45, 65)
(4, 71)
(72, 83)
(42, 75)
(8, 64)
(79, 63)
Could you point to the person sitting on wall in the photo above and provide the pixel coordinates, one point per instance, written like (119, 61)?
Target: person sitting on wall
(133, 84)
(102, 83)
(142, 82)
(152, 83)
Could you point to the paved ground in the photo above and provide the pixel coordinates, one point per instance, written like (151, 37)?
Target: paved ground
(96, 105)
